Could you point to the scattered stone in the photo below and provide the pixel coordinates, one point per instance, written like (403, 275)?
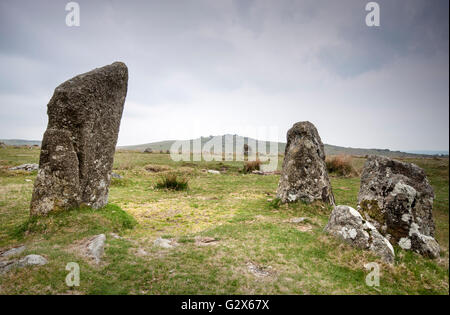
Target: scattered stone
(115, 236)
(257, 270)
(2, 145)
(96, 247)
(148, 150)
(79, 143)
(304, 175)
(29, 167)
(6, 266)
(141, 252)
(298, 220)
(162, 242)
(213, 172)
(397, 199)
(32, 260)
(13, 251)
(347, 224)
(28, 180)
(205, 240)
(115, 175)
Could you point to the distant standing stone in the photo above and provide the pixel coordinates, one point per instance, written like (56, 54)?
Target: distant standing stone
(304, 175)
(148, 150)
(79, 143)
(398, 199)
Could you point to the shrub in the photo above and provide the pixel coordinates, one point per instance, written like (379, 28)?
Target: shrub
(172, 181)
(251, 166)
(341, 165)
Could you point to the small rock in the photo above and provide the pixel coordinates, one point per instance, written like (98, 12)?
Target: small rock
(202, 241)
(32, 260)
(115, 175)
(256, 270)
(142, 252)
(13, 251)
(6, 266)
(28, 180)
(29, 167)
(213, 172)
(298, 220)
(162, 242)
(96, 247)
(114, 235)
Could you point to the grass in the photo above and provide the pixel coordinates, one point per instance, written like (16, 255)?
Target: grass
(240, 211)
(172, 181)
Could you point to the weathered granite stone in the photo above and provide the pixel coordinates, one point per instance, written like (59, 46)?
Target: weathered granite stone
(397, 199)
(304, 175)
(347, 224)
(79, 143)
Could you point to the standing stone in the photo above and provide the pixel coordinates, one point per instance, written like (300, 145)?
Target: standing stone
(79, 143)
(398, 199)
(304, 175)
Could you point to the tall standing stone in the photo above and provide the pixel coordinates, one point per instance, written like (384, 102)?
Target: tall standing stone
(304, 175)
(79, 143)
(397, 198)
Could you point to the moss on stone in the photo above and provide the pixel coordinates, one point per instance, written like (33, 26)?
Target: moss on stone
(370, 207)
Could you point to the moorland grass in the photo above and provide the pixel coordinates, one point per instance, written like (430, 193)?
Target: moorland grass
(240, 211)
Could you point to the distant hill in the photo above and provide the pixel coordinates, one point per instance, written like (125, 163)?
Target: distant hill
(19, 142)
(329, 149)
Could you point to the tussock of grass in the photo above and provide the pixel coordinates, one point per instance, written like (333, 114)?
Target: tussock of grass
(251, 166)
(173, 181)
(341, 165)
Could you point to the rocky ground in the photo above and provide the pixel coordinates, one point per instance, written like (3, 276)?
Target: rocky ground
(226, 234)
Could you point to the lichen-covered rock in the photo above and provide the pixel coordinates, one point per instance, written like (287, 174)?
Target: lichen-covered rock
(79, 143)
(304, 175)
(347, 224)
(397, 199)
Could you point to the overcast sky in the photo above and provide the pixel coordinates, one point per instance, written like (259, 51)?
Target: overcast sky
(217, 66)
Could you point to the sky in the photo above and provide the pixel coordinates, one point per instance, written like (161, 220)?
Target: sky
(212, 67)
